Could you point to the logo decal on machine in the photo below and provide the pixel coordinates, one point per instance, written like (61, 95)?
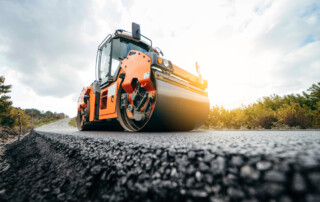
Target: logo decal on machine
(146, 75)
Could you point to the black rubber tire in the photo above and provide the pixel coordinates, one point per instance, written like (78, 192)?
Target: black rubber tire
(81, 124)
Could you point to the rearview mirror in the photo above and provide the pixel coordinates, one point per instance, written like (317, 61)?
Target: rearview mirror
(136, 31)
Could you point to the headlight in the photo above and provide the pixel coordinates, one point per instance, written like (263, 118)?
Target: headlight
(160, 62)
(165, 63)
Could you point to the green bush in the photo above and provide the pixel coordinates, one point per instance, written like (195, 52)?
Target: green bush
(289, 111)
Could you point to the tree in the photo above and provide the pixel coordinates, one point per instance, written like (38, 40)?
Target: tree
(316, 118)
(5, 104)
(314, 95)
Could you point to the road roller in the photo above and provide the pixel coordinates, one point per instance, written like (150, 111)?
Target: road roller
(137, 89)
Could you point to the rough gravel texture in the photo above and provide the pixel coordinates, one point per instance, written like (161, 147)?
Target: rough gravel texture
(70, 166)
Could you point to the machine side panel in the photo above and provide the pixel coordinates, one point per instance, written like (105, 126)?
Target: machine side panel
(108, 97)
(96, 106)
(92, 99)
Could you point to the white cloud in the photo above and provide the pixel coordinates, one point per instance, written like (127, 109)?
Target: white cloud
(246, 49)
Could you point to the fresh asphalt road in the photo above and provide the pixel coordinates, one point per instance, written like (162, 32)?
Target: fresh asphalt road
(56, 159)
(290, 143)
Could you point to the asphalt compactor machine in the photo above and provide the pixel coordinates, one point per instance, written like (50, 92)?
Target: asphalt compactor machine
(136, 89)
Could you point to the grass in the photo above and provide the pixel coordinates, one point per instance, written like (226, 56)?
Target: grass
(72, 122)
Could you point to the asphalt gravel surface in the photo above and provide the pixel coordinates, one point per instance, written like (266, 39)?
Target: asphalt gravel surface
(56, 162)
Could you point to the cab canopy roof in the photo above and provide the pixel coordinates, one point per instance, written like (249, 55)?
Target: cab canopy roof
(135, 35)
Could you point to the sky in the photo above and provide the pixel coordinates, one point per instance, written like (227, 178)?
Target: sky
(245, 49)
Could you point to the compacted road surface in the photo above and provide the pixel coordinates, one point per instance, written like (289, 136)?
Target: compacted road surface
(56, 162)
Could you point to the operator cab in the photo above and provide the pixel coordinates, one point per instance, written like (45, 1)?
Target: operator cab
(111, 54)
(113, 50)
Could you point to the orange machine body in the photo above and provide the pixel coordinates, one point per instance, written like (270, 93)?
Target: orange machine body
(136, 65)
(139, 90)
